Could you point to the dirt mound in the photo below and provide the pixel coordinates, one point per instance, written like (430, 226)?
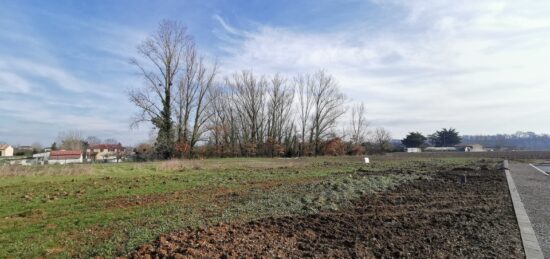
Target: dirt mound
(426, 218)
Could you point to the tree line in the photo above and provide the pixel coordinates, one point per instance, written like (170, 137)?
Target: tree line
(441, 138)
(450, 137)
(196, 113)
(517, 141)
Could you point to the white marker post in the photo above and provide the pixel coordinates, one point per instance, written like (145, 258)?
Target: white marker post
(366, 160)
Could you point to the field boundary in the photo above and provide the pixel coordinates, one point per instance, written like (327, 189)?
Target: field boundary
(538, 169)
(528, 238)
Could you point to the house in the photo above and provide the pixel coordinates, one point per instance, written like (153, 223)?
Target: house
(41, 158)
(65, 157)
(470, 148)
(6, 150)
(105, 152)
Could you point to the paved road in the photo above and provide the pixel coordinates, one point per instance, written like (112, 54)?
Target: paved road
(534, 190)
(544, 167)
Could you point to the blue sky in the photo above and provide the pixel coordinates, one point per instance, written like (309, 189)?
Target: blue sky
(479, 66)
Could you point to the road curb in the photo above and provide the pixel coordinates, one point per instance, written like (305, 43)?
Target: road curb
(528, 238)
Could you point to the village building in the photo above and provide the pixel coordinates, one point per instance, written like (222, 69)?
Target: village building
(6, 150)
(470, 148)
(65, 157)
(41, 158)
(105, 152)
(414, 150)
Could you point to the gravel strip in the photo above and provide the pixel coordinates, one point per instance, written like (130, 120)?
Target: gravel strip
(534, 189)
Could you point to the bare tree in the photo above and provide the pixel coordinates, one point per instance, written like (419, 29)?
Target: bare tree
(163, 51)
(224, 122)
(382, 139)
(327, 107)
(93, 140)
(218, 121)
(359, 124)
(36, 147)
(70, 140)
(248, 100)
(187, 89)
(305, 103)
(281, 97)
(111, 141)
(205, 81)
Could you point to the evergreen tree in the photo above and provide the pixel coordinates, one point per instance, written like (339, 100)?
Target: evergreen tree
(414, 139)
(446, 138)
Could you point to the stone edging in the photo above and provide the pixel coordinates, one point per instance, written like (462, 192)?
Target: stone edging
(528, 237)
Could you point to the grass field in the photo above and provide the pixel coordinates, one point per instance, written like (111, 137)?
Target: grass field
(110, 209)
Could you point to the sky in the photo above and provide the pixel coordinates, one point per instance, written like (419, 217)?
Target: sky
(481, 67)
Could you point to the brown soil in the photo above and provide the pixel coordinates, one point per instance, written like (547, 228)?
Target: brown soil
(424, 219)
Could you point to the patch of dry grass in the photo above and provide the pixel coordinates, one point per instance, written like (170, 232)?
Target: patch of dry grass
(34, 170)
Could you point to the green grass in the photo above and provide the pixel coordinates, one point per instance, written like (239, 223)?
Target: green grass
(109, 209)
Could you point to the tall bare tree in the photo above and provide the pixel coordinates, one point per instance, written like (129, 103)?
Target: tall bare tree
(205, 81)
(249, 102)
(327, 107)
(304, 85)
(163, 53)
(359, 124)
(70, 140)
(218, 123)
(281, 97)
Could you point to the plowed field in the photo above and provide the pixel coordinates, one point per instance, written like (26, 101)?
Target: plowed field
(425, 218)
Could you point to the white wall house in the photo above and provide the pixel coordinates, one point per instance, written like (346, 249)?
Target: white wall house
(65, 157)
(414, 150)
(41, 158)
(471, 148)
(6, 150)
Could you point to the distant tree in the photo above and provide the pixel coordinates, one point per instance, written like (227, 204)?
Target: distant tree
(93, 140)
(70, 140)
(516, 141)
(414, 139)
(281, 97)
(359, 124)
(304, 84)
(382, 140)
(111, 141)
(144, 152)
(328, 103)
(445, 138)
(36, 147)
(54, 146)
(248, 97)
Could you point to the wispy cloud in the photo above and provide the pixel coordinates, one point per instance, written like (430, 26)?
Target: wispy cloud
(12, 83)
(463, 64)
(229, 29)
(46, 88)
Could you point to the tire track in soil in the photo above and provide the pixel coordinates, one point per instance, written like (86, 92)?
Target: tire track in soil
(427, 219)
